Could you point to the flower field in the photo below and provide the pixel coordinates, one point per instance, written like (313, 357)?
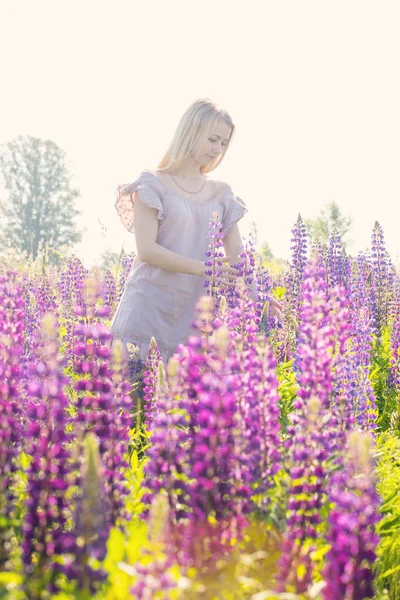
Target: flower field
(262, 462)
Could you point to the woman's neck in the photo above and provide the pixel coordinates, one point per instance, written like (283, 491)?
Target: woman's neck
(188, 172)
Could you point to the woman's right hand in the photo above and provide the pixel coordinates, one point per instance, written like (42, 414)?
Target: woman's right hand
(228, 275)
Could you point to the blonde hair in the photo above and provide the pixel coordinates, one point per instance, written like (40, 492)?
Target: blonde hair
(196, 124)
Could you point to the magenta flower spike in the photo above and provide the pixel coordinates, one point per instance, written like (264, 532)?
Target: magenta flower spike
(317, 427)
(103, 402)
(294, 279)
(381, 275)
(150, 382)
(44, 536)
(349, 570)
(12, 316)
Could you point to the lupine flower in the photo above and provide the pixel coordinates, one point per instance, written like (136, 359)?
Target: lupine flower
(45, 522)
(72, 284)
(314, 352)
(337, 263)
(357, 361)
(214, 256)
(109, 292)
(381, 277)
(90, 532)
(264, 284)
(395, 334)
(307, 494)
(351, 524)
(313, 432)
(153, 580)
(11, 350)
(166, 455)
(258, 412)
(294, 279)
(103, 401)
(127, 263)
(193, 454)
(150, 381)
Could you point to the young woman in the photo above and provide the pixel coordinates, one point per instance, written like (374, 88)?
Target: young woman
(169, 210)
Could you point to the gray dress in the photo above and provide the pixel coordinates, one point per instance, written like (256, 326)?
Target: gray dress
(159, 303)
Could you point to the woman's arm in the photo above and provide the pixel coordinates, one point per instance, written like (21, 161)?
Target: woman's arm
(146, 229)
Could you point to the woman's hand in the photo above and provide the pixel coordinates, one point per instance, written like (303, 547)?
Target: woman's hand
(275, 308)
(228, 275)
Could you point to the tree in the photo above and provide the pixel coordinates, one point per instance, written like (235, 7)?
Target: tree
(40, 203)
(110, 258)
(266, 252)
(329, 218)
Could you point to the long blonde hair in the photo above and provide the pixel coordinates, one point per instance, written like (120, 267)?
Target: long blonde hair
(196, 124)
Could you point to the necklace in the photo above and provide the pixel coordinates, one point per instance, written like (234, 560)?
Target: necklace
(188, 191)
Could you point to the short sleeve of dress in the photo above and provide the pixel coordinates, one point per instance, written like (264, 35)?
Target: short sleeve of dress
(149, 192)
(234, 209)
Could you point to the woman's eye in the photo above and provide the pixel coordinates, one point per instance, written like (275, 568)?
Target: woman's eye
(224, 143)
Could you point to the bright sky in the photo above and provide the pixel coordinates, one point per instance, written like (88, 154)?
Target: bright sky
(312, 87)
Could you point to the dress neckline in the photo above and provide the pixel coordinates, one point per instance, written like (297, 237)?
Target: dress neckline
(191, 200)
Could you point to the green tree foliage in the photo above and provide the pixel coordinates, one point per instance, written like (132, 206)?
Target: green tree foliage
(327, 220)
(266, 252)
(110, 258)
(38, 203)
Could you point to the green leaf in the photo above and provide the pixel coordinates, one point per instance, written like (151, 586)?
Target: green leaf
(389, 572)
(391, 525)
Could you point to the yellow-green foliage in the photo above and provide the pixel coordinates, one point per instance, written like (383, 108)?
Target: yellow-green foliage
(388, 563)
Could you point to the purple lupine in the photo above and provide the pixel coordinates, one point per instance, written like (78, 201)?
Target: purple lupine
(395, 334)
(153, 579)
(351, 531)
(103, 405)
(258, 412)
(216, 486)
(166, 454)
(336, 263)
(357, 361)
(264, 284)
(381, 277)
(214, 255)
(363, 396)
(109, 291)
(72, 283)
(103, 400)
(45, 297)
(359, 295)
(32, 324)
(127, 262)
(314, 352)
(342, 418)
(150, 380)
(194, 451)
(307, 494)
(90, 531)
(294, 278)
(48, 474)
(11, 349)
(312, 433)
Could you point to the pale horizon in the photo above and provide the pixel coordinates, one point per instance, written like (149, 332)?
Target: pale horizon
(312, 89)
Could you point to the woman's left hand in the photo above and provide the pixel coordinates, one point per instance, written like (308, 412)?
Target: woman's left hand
(275, 308)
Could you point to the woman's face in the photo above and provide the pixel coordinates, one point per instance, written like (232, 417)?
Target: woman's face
(216, 143)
